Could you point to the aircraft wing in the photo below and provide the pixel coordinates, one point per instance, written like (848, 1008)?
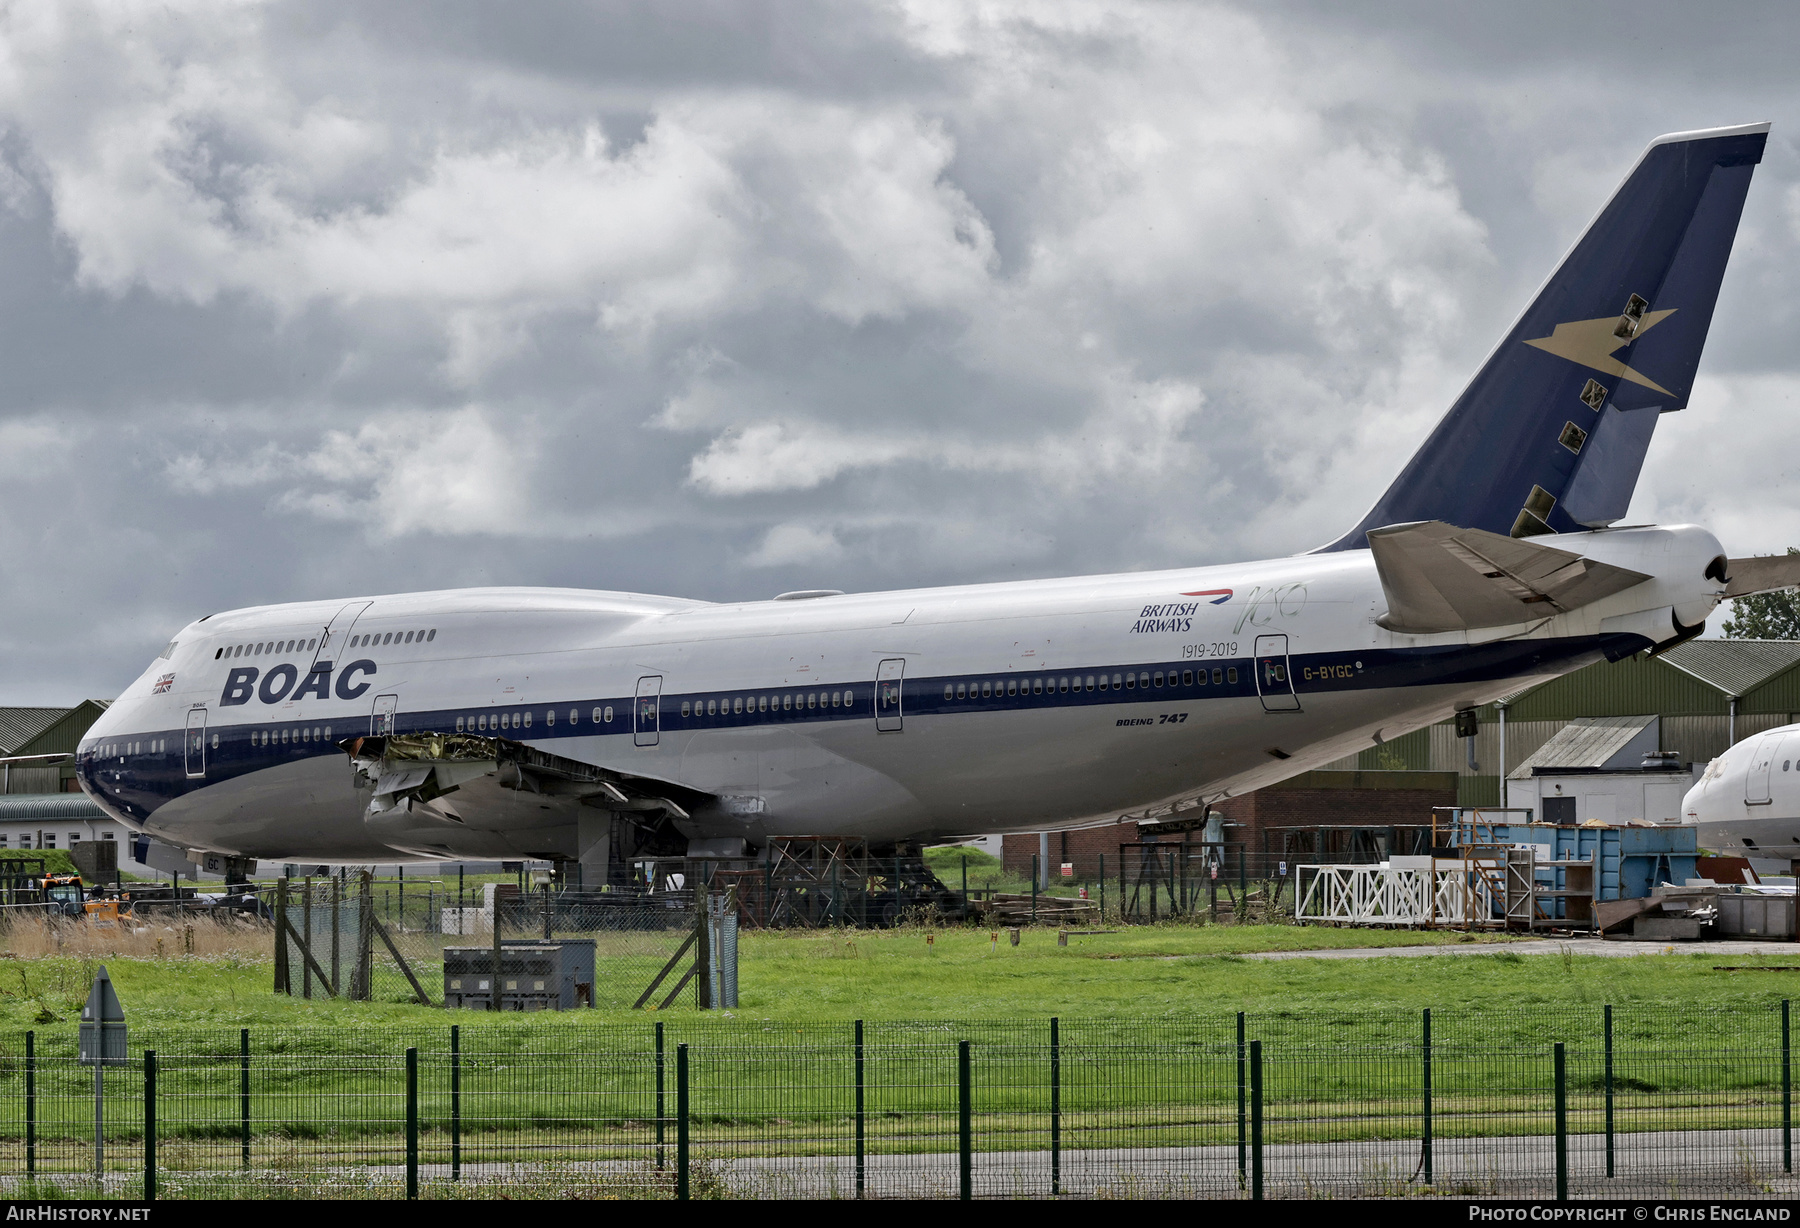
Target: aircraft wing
(418, 773)
(1762, 575)
(1437, 577)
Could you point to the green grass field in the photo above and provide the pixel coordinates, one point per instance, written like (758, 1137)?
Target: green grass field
(1148, 1031)
(814, 977)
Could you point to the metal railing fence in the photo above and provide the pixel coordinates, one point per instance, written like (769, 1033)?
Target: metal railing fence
(356, 931)
(1633, 1104)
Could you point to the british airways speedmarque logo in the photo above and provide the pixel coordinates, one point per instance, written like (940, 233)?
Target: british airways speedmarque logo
(277, 684)
(1176, 615)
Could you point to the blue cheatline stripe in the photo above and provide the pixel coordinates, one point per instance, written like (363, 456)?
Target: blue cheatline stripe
(154, 779)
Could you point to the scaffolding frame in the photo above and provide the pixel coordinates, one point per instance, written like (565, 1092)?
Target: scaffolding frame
(1456, 892)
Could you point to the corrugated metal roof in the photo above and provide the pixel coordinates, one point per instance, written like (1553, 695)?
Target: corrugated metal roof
(1587, 742)
(65, 733)
(1735, 667)
(49, 807)
(19, 725)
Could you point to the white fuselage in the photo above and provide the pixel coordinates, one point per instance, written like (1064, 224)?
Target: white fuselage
(1020, 706)
(1747, 802)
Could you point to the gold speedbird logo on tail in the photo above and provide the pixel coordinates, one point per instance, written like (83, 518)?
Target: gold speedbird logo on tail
(1591, 343)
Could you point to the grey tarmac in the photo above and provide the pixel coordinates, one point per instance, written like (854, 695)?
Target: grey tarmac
(1763, 952)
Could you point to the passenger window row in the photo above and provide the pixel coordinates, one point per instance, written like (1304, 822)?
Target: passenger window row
(304, 645)
(154, 746)
(269, 646)
(520, 718)
(282, 737)
(379, 640)
(1040, 684)
(792, 701)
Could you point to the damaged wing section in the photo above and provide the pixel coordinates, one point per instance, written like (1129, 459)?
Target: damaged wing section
(416, 781)
(1747, 577)
(1437, 577)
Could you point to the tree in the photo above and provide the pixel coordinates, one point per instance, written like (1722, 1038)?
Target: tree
(1766, 616)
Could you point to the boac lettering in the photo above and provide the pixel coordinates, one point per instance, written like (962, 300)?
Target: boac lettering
(278, 682)
(239, 686)
(346, 691)
(317, 683)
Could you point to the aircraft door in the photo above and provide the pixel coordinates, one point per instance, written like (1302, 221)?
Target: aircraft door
(195, 742)
(337, 631)
(1762, 764)
(381, 717)
(888, 680)
(646, 713)
(1274, 681)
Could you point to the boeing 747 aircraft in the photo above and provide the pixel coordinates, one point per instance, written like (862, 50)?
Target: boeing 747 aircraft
(589, 725)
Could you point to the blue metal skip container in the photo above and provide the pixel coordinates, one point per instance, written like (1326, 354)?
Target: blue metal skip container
(1632, 861)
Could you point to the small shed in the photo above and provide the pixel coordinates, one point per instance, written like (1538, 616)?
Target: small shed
(1602, 769)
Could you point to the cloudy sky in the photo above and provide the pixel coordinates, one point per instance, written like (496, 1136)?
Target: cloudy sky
(309, 300)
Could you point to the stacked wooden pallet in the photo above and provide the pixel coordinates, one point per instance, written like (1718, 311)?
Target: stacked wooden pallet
(1003, 909)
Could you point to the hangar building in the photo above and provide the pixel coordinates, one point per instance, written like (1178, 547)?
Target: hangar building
(43, 807)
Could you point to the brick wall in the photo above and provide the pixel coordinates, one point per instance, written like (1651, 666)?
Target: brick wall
(1312, 799)
(1083, 848)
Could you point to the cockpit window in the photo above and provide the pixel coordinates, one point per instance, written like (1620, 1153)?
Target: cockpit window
(168, 652)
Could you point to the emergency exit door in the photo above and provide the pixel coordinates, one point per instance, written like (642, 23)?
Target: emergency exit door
(1762, 767)
(888, 681)
(646, 713)
(194, 745)
(1274, 681)
(337, 631)
(381, 715)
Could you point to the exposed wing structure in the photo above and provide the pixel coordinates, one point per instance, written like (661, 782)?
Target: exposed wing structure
(1437, 577)
(493, 783)
(1764, 575)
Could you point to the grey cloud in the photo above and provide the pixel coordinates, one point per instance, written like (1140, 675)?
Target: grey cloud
(721, 300)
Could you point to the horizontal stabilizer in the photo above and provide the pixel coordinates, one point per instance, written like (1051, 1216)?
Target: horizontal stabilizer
(1762, 575)
(1437, 577)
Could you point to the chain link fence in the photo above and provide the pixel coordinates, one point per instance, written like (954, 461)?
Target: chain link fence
(1260, 1105)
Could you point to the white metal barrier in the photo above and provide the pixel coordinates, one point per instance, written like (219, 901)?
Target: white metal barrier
(1403, 891)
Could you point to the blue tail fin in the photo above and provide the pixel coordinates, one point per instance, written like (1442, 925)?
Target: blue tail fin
(1550, 434)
